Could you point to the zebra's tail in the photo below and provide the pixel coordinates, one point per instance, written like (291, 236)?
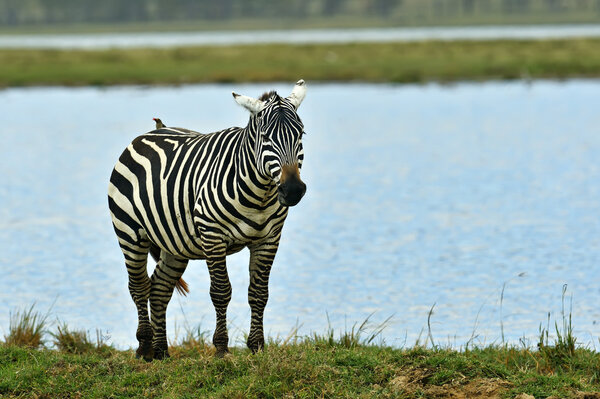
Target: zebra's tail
(181, 286)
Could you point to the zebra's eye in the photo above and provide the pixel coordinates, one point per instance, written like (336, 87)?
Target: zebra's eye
(265, 138)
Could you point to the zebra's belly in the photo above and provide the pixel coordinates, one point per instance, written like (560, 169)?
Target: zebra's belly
(250, 228)
(199, 253)
(244, 234)
(188, 247)
(192, 246)
(196, 251)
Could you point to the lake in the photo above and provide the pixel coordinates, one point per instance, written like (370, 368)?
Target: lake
(309, 36)
(479, 200)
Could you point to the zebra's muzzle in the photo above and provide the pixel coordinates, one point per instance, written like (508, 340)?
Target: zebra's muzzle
(291, 189)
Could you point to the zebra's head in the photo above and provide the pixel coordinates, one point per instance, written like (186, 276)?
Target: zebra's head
(278, 131)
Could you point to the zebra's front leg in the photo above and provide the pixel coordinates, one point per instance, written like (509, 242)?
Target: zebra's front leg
(261, 259)
(220, 294)
(166, 274)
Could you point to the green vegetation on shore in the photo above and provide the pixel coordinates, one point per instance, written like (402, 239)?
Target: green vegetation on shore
(309, 369)
(315, 366)
(371, 62)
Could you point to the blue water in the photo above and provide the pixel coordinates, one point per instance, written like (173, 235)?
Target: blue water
(419, 196)
(225, 38)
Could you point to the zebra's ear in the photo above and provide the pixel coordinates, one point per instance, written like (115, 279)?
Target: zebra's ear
(251, 104)
(298, 93)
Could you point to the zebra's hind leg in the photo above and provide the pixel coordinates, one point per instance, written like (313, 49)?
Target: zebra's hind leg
(261, 259)
(136, 258)
(168, 271)
(220, 293)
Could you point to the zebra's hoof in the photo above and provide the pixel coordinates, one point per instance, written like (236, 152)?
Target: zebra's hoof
(221, 353)
(255, 343)
(145, 351)
(161, 354)
(147, 357)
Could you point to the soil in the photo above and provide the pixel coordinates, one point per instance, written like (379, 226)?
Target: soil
(414, 382)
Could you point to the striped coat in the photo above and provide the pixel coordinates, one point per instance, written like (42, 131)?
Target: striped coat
(181, 195)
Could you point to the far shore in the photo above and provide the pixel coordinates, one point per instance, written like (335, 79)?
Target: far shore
(400, 62)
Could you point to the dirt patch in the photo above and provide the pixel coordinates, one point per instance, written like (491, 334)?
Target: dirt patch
(473, 389)
(587, 395)
(414, 381)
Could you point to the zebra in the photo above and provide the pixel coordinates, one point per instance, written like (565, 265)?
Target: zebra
(181, 195)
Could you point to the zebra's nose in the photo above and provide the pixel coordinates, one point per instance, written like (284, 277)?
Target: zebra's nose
(292, 188)
(291, 192)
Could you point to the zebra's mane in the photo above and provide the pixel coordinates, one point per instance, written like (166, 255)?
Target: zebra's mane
(267, 95)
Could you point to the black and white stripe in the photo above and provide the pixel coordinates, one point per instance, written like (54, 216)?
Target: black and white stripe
(183, 195)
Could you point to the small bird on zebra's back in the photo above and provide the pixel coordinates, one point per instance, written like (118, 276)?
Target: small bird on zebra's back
(159, 123)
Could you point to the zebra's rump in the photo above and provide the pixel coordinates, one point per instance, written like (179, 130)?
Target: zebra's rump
(151, 193)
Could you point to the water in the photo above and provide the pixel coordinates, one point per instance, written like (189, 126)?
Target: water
(170, 39)
(418, 197)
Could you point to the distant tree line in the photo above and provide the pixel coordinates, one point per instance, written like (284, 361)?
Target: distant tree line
(23, 12)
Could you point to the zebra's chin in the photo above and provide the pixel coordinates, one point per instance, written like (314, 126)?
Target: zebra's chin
(286, 202)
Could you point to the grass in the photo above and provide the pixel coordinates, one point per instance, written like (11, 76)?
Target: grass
(26, 328)
(77, 341)
(559, 354)
(313, 367)
(349, 366)
(373, 62)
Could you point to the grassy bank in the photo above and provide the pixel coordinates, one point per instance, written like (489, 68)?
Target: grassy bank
(306, 370)
(315, 366)
(376, 62)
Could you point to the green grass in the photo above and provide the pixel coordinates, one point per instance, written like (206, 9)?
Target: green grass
(307, 369)
(316, 366)
(376, 62)
(350, 364)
